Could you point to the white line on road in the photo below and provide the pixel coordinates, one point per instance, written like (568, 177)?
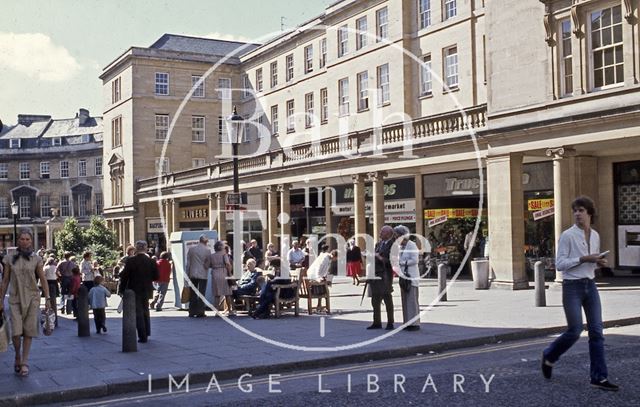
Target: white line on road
(322, 327)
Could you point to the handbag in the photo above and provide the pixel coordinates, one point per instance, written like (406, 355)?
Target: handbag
(4, 333)
(405, 280)
(185, 295)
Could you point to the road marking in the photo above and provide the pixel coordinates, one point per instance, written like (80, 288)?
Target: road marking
(322, 327)
(328, 372)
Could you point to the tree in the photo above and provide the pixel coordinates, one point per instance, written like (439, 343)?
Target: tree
(70, 238)
(97, 239)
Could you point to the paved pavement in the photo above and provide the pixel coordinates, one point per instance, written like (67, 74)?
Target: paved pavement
(66, 367)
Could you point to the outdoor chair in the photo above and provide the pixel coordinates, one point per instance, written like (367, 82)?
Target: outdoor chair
(311, 289)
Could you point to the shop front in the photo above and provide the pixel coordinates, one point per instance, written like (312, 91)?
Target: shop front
(399, 206)
(627, 215)
(452, 206)
(155, 235)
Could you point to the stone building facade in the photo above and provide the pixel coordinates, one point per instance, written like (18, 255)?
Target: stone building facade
(428, 113)
(50, 166)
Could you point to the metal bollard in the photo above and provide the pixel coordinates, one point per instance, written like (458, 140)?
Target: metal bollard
(541, 300)
(129, 333)
(443, 269)
(83, 312)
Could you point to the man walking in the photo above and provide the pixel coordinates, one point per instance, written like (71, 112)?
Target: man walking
(381, 287)
(138, 275)
(577, 257)
(198, 271)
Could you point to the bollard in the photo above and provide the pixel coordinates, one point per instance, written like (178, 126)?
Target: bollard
(83, 312)
(129, 333)
(541, 300)
(443, 269)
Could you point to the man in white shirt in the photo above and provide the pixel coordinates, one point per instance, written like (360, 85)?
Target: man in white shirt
(295, 256)
(577, 256)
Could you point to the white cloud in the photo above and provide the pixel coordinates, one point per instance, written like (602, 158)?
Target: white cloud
(35, 55)
(227, 37)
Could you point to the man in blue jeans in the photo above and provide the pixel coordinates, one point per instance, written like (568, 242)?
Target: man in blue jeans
(578, 255)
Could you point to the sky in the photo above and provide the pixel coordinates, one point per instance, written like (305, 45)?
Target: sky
(53, 51)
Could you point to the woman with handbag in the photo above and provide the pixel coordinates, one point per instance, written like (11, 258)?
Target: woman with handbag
(409, 278)
(21, 270)
(221, 268)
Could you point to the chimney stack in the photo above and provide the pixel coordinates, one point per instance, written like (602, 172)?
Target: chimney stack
(83, 116)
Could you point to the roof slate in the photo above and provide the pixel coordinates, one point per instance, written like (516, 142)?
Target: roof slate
(209, 46)
(71, 127)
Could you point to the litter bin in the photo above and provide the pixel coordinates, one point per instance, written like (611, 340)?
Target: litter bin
(480, 273)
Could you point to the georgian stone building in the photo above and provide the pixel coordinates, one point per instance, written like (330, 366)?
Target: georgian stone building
(426, 113)
(49, 165)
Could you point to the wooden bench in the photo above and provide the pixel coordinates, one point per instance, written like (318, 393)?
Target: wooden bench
(280, 302)
(249, 301)
(309, 289)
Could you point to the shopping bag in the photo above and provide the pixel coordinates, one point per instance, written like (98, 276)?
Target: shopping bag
(48, 321)
(4, 333)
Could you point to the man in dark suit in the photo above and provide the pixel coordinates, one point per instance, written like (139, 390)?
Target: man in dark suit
(381, 287)
(138, 275)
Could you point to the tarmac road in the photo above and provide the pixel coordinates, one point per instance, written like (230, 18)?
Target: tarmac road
(504, 374)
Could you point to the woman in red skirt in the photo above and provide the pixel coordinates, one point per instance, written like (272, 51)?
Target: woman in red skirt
(354, 262)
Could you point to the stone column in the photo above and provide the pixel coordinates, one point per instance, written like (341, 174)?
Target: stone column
(419, 209)
(328, 215)
(123, 241)
(212, 211)
(173, 208)
(562, 194)
(221, 215)
(358, 209)
(127, 231)
(285, 210)
(506, 220)
(272, 215)
(377, 185)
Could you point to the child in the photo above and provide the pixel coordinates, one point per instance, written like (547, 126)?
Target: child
(98, 302)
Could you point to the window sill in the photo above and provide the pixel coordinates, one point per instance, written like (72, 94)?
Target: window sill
(289, 131)
(451, 89)
(426, 96)
(157, 141)
(343, 115)
(385, 104)
(366, 109)
(324, 122)
(308, 126)
(198, 141)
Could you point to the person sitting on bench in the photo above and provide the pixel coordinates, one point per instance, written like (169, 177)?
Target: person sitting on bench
(248, 283)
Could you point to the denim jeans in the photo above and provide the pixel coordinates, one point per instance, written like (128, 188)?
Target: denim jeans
(578, 294)
(161, 292)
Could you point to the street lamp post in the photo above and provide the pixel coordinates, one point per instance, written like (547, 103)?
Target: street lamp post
(14, 212)
(235, 129)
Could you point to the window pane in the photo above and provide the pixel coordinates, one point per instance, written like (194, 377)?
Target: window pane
(595, 39)
(609, 77)
(605, 17)
(597, 78)
(617, 33)
(608, 56)
(619, 73)
(606, 36)
(597, 59)
(617, 14)
(595, 20)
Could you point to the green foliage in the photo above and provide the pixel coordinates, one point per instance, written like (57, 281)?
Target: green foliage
(97, 238)
(70, 238)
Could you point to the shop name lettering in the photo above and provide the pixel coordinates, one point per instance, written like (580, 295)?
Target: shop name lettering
(389, 190)
(156, 225)
(195, 213)
(369, 207)
(457, 184)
